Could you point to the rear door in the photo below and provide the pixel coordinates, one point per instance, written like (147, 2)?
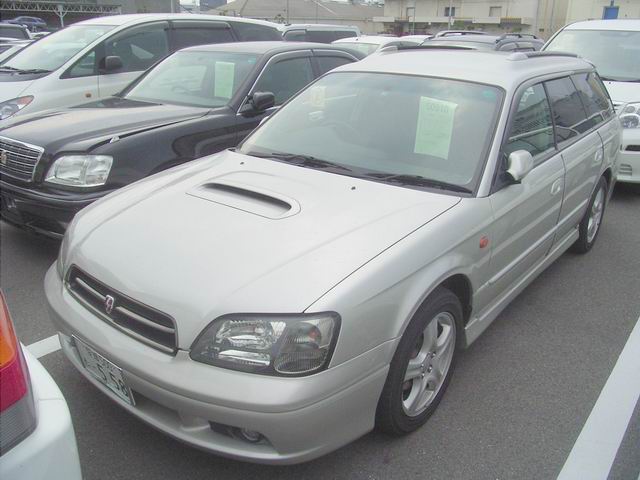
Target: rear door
(525, 213)
(581, 146)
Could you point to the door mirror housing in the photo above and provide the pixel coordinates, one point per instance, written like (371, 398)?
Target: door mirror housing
(519, 164)
(259, 102)
(112, 63)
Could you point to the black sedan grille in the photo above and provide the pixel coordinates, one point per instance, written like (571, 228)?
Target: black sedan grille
(19, 159)
(140, 321)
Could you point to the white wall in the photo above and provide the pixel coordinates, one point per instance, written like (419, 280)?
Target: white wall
(593, 9)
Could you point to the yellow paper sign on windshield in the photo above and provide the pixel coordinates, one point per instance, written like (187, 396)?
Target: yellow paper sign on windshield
(435, 127)
(224, 77)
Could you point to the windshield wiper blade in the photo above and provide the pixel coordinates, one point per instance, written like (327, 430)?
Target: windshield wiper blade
(304, 160)
(9, 69)
(21, 71)
(419, 181)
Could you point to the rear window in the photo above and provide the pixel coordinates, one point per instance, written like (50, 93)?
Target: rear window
(12, 32)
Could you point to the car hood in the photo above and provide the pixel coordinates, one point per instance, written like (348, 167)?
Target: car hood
(81, 127)
(231, 233)
(623, 92)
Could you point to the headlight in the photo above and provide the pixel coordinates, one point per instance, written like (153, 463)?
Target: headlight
(13, 106)
(80, 170)
(630, 115)
(269, 344)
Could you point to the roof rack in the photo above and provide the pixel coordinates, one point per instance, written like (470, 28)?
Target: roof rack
(394, 48)
(450, 33)
(517, 35)
(516, 56)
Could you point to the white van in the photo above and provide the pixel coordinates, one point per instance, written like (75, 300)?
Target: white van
(99, 57)
(613, 46)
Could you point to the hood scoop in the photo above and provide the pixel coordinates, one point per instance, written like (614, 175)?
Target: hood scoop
(248, 198)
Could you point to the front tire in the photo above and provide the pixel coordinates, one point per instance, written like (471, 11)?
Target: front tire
(422, 365)
(589, 226)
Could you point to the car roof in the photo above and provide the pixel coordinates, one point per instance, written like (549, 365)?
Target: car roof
(506, 70)
(135, 18)
(264, 47)
(619, 24)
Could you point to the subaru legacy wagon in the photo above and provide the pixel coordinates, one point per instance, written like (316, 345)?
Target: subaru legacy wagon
(274, 302)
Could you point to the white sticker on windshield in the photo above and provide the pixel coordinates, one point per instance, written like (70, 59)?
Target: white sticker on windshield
(318, 96)
(224, 77)
(435, 127)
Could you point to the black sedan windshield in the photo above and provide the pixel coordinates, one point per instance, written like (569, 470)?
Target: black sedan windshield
(196, 78)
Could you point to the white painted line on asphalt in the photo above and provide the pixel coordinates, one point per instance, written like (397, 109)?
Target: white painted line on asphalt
(44, 347)
(595, 449)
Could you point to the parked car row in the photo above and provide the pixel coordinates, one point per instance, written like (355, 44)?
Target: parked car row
(264, 258)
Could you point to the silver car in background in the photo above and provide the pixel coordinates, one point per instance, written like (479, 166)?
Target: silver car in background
(274, 302)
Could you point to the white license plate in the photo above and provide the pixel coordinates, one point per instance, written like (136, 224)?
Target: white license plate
(104, 371)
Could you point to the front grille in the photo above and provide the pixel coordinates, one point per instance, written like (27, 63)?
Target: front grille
(625, 169)
(19, 159)
(141, 322)
(633, 148)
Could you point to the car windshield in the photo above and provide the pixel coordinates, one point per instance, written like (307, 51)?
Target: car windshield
(13, 32)
(401, 129)
(201, 79)
(54, 50)
(615, 54)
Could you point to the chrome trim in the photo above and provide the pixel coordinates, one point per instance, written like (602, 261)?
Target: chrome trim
(19, 144)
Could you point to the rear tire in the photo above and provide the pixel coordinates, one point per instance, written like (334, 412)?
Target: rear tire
(422, 365)
(589, 226)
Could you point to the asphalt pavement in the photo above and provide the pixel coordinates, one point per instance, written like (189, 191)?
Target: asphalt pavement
(516, 404)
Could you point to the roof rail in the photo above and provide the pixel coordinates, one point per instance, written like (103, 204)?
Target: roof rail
(516, 56)
(394, 48)
(517, 35)
(449, 33)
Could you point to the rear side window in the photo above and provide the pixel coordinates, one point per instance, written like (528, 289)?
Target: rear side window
(593, 96)
(329, 63)
(320, 36)
(532, 127)
(568, 112)
(249, 32)
(188, 34)
(344, 34)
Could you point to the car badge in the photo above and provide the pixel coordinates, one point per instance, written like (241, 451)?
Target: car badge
(109, 302)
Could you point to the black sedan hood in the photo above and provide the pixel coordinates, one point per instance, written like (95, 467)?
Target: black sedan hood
(83, 127)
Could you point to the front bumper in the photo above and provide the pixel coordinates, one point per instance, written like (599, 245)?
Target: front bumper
(50, 452)
(301, 418)
(44, 213)
(629, 157)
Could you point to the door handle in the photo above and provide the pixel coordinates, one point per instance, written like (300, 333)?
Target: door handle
(597, 159)
(556, 187)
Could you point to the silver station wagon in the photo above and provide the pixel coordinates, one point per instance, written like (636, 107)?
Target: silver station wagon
(274, 302)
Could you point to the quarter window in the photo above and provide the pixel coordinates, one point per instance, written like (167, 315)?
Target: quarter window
(568, 112)
(532, 127)
(285, 78)
(593, 96)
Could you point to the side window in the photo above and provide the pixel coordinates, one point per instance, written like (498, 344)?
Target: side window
(568, 112)
(285, 78)
(188, 34)
(295, 36)
(344, 34)
(593, 98)
(532, 127)
(138, 47)
(321, 36)
(329, 63)
(250, 32)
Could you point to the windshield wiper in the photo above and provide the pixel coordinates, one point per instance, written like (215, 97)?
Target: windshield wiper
(298, 159)
(20, 71)
(419, 181)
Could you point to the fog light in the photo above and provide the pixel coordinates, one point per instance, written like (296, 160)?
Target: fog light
(250, 435)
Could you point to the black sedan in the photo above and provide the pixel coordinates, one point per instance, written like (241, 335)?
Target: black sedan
(196, 102)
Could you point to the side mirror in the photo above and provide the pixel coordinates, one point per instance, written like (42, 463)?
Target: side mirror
(259, 102)
(112, 63)
(520, 163)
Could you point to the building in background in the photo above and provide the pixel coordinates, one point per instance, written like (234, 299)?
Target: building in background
(308, 11)
(539, 17)
(597, 9)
